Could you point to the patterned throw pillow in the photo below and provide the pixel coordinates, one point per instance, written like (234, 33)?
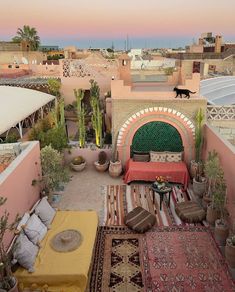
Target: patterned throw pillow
(157, 156)
(174, 156)
(141, 157)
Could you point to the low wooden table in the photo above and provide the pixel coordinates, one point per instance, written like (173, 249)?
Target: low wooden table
(161, 192)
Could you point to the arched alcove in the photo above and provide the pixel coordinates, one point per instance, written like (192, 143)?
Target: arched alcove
(157, 136)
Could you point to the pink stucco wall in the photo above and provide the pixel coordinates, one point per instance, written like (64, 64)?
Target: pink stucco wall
(158, 91)
(213, 141)
(45, 70)
(70, 83)
(16, 184)
(89, 155)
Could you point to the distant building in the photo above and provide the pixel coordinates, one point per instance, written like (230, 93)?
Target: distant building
(207, 43)
(13, 46)
(48, 48)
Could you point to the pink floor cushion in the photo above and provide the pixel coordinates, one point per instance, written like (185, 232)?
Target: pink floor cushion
(140, 220)
(190, 212)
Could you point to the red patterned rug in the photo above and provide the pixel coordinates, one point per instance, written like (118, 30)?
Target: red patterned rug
(185, 259)
(121, 199)
(172, 259)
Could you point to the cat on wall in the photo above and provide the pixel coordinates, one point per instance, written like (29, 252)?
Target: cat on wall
(186, 92)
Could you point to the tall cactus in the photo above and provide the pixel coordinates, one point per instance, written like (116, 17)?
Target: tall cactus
(79, 94)
(97, 116)
(61, 113)
(58, 114)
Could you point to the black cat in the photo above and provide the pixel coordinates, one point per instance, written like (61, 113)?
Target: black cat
(186, 92)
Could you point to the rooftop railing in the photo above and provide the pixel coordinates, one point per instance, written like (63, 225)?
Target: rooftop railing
(226, 112)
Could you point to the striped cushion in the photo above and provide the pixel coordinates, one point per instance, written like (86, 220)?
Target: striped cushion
(140, 220)
(190, 212)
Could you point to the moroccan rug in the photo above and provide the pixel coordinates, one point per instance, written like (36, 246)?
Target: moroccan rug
(117, 264)
(121, 199)
(176, 258)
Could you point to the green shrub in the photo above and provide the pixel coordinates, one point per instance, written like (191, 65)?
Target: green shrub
(53, 171)
(56, 137)
(12, 138)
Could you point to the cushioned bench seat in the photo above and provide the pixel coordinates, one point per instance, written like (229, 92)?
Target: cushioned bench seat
(177, 172)
(68, 271)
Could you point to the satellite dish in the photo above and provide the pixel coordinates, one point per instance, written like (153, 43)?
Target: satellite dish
(25, 61)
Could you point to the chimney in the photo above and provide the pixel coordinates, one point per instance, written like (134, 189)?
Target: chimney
(125, 69)
(218, 43)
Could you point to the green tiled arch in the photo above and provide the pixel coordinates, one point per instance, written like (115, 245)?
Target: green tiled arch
(157, 136)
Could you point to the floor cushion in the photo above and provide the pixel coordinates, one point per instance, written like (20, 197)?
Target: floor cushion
(190, 212)
(140, 220)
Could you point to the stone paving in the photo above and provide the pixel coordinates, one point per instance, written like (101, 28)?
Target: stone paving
(84, 191)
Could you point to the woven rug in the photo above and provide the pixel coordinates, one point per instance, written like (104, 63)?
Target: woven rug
(121, 199)
(118, 261)
(184, 258)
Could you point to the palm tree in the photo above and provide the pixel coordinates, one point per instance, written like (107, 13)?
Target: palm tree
(28, 34)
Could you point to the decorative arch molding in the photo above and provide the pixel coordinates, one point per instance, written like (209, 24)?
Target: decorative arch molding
(171, 116)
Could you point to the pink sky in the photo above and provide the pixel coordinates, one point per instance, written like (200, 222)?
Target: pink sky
(108, 19)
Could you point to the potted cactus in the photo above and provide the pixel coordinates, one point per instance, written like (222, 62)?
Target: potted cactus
(115, 166)
(216, 188)
(199, 181)
(196, 165)
(78, 163)
(230, 251)
(103, 163)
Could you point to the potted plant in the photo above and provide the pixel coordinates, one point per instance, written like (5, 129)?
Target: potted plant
(115, 166)
(199, 181)
(53, 171)
(221, 226)
(78, 163)
(102, 164)
(230, 251)
(217, 190)
(8, 283)
(196, 164)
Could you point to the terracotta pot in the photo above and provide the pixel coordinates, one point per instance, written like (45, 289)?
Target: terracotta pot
(211, 215)
(78, 167)
(199, 188)
(115, 168)
(221, 232)
(101, 167)
(205, 202)
(230, 253)
(15, 288)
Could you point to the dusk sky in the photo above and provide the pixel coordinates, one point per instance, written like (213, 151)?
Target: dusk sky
(99, 22)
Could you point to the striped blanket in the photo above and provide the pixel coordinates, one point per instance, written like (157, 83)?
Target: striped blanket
(121, 199)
